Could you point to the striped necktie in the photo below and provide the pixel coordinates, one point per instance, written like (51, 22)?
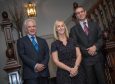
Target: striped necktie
(85, 28)
(35, 43)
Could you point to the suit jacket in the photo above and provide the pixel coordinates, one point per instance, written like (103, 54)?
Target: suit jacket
(94, 38)
(30, 57)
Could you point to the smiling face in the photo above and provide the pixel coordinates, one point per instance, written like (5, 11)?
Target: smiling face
(31, 27)
(60, 28)
(80, 13)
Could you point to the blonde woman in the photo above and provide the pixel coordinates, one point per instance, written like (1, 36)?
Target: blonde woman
(66, 55)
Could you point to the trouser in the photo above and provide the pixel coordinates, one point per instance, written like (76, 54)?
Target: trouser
(95, 73)
(39, 80)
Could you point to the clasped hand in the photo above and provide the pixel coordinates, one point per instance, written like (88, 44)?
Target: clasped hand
(40, 67)
(73, 72)
(92, 50)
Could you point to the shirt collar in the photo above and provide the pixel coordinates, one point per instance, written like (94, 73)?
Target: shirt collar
(30, 35)
(81, 22)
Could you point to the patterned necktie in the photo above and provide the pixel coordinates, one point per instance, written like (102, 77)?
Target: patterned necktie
(85, 28)
(35, 44)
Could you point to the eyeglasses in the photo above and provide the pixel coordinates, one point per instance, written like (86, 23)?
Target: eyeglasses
(77, 13)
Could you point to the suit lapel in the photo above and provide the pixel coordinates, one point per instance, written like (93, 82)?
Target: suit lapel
(39, 43)
(91, 27)
(81, 31)
(30, 44)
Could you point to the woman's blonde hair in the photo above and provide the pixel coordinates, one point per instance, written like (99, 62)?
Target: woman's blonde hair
(55, 32)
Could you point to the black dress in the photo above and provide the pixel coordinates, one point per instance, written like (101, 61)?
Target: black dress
(67, 55)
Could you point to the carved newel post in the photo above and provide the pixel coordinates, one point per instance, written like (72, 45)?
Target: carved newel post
(12, 66)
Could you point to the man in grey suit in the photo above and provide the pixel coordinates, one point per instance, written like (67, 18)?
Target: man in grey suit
(34, 53)
(89, 38)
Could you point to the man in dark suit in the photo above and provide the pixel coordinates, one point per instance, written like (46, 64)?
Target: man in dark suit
(34, 53)
(89, 38)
